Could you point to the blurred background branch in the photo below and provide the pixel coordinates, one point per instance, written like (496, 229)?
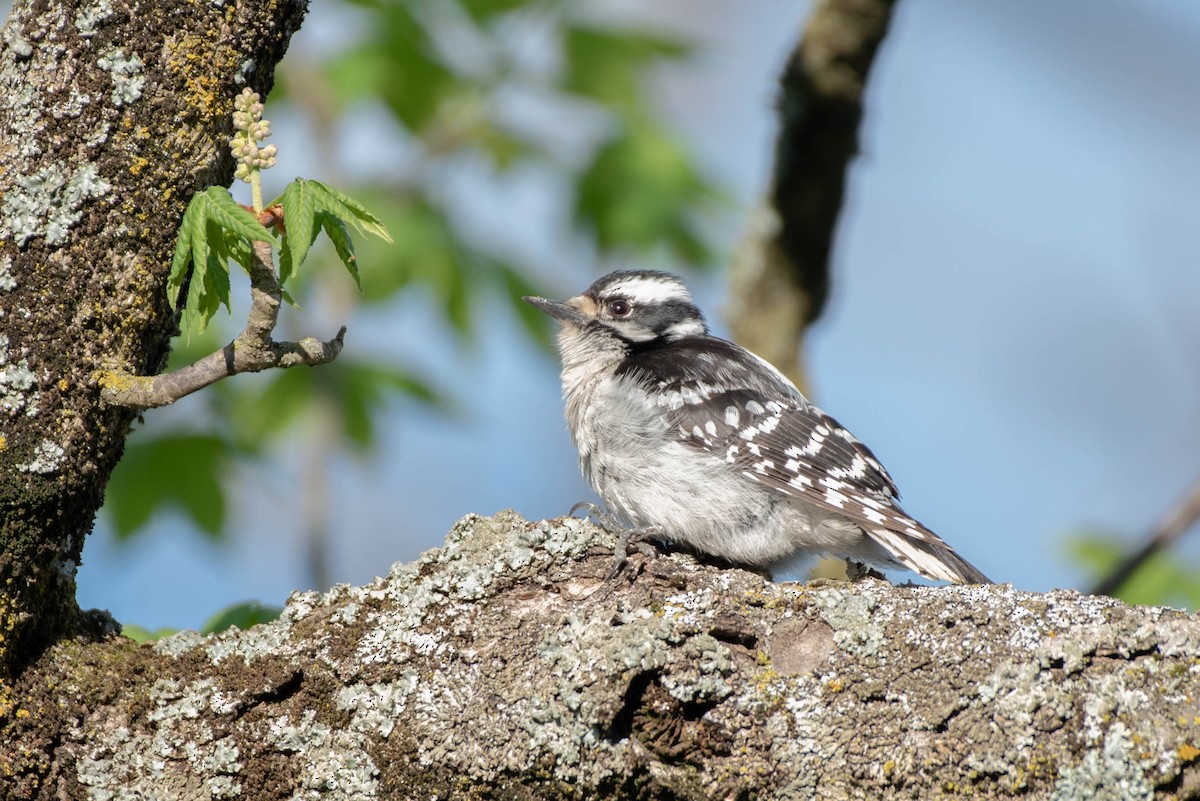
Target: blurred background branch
(1177, 522)
(781, 276)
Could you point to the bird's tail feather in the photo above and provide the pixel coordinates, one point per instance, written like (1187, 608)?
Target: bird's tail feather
(929, 559)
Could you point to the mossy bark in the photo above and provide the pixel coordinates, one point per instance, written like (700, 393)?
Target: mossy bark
(508, 665)
(112, 114)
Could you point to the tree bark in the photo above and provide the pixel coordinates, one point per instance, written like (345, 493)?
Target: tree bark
(112, 114)
(506, 665)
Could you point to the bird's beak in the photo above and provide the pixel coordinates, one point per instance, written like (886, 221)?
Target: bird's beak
(568, 312)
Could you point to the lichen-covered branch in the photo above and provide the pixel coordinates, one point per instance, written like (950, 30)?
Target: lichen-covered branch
(781, 276)
(252, 351)
(507, 665)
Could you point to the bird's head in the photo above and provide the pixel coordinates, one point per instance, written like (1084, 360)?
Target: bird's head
(630, 309)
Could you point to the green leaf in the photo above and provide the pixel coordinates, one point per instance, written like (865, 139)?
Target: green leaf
(299, 211)
(276, 402)
(142, 635)
(357, 73)
(610, 65)
(335, 229)
(642, 193)
(362, 388)
(219, 205)
(208, 237)
(398, 64)
(310, 206)
(239, 250)
(242, 616)
(346, 208)
(425, 248)
(483, 10)
(190, 246)
(354, 390)
(173, 471)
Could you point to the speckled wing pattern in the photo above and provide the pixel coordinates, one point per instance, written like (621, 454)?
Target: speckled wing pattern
(743, 410)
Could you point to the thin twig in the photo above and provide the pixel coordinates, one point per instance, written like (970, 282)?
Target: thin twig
(1174, 525)
(252, 351)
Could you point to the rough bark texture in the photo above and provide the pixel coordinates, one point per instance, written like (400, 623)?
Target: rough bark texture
(505, 665)
(112, 114)
(781, 277)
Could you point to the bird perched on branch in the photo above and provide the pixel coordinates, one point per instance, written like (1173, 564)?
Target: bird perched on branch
(690, 438)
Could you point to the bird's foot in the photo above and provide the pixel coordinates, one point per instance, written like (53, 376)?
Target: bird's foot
(857, 571)
(626, 536)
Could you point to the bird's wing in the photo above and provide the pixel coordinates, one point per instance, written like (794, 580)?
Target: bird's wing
(726, 401)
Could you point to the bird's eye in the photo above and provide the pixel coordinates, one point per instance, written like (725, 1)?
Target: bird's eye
(618, 308)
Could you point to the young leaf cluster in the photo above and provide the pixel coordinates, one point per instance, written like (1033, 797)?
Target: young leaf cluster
(310, 207)
(216, 230)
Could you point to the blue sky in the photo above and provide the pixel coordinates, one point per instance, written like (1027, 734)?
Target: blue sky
(1013, 326)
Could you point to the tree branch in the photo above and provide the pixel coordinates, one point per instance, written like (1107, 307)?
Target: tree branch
(252, 351)
(506, 665)
(1179, 519)
(781, 276)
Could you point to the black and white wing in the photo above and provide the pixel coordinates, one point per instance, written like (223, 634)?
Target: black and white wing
(726, 401)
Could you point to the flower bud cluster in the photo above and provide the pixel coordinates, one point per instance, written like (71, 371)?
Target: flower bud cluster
(250, 129)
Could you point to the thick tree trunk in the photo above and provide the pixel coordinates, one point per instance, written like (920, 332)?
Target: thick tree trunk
(506, 665)
(112, 114)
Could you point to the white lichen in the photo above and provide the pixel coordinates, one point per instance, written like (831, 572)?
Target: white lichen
(17, 384)
(88, 18)
(48, 203)
(1108, 773)
(849, 614)
(47, 458)
(73, 106)
(334, 765)
(14, 37)
(7, 282)
(126, 72)
(244, 71)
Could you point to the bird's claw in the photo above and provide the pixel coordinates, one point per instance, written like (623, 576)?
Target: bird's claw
(607, 520)
(626, 536)
(857, 571)
(637, 538)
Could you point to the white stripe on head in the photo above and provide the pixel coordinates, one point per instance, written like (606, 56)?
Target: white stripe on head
(649, 289)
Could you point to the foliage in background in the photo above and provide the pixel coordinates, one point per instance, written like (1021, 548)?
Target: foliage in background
(454, 78)
(1165, 579)
(242, 616)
